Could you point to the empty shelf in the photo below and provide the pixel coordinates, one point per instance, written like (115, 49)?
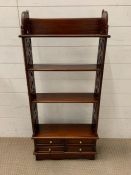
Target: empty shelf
(64, 98)
(64, 67)
(65, 131)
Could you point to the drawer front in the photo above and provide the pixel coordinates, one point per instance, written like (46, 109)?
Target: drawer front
(49, 149)
(81, 148)
(81, 141)
(49, 142)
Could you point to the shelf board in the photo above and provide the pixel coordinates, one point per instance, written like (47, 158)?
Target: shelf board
(64, 67)
(63, 131)
(64, 98)
(64, 35)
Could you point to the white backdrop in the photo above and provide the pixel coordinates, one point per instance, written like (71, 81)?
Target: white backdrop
(115, 113)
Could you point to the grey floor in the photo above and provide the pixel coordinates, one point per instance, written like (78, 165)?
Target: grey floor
(113, 158)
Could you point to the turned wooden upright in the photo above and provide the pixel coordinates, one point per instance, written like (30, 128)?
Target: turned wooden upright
(64, 141)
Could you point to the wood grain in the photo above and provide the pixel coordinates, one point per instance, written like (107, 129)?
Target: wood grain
(73, 131)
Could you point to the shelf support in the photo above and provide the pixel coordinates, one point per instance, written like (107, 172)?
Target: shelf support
(98, 81)
(28, 59)
(30, 81)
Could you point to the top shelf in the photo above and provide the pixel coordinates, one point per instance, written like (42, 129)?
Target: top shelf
(64, 27)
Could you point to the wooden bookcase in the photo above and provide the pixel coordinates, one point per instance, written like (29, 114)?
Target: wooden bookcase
(64, 141)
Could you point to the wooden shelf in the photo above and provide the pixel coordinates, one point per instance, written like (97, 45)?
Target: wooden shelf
(65, 98)
(64, 67)
(64, 141)
(64, 35)
(75, 131)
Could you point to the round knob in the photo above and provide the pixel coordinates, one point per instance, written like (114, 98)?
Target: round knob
(51, 142)
(80, 149)
(49, 149)
(80, 142)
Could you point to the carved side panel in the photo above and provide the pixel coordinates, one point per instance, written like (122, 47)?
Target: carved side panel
(98, 81)
(27, 49)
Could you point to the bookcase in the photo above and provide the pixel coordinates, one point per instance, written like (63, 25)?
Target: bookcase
(64, 141)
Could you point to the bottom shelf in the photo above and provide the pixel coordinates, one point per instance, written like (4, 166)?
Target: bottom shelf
(65, 141)
(65, 131)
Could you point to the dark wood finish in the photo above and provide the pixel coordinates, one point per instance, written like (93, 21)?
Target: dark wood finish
(68, 131)
(64, 141)
(65, 155)
(28, 60)
(63, 27)
(99, 75)
(87, 141)
(69, 35)
(49, 149)
(81, 148)
(64, 98)
(47, 141)
(69, 149)
(64, 67)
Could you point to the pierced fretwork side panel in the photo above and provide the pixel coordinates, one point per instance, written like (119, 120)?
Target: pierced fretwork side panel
(31, 82)
(34, 116)
(27, 48)
(28, 51)
(98, 81)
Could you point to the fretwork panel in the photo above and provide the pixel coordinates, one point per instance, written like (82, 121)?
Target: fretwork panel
(30, 81)
(98, 81)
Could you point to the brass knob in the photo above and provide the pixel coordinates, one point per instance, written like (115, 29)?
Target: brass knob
(80, 149)
(49, 150)
(80, 142)
(51, 142)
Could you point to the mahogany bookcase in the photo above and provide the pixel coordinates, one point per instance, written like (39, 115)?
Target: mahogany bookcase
(64, 141)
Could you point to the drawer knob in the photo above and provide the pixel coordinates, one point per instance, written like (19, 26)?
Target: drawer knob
(49, 149)
(80, 149)
(51, 142)
(80, 142)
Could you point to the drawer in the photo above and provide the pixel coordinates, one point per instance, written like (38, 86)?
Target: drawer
(81, 148)
(81, 141)
(49, 141)
(49, 149)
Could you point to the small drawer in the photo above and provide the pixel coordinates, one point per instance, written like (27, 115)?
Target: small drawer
(49, 142)
(81, 148)
(81, 141)
(50, 149)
